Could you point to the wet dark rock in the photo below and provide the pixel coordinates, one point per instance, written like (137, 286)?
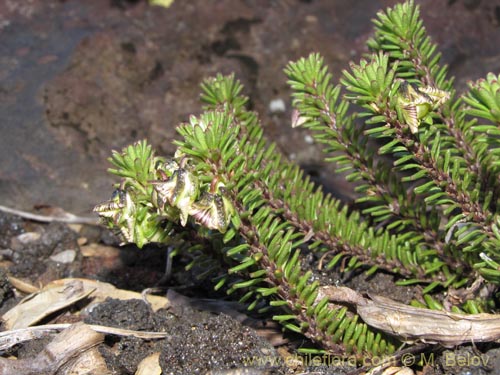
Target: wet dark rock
(76, 86)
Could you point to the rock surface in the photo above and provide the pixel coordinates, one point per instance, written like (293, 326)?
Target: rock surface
(79, 78)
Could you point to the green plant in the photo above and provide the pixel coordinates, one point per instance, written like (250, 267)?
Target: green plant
(428, 206)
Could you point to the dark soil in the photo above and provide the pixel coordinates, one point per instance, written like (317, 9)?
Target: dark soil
(198, 341)
(79, 78)
(201, 338)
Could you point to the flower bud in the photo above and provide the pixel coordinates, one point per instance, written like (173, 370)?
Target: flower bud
(417, 102)
(169, 167)
(119, 213)
(147, 228)
(194, 121)
(179, 190)
(113, 209)
(213, 211)
(132, 222)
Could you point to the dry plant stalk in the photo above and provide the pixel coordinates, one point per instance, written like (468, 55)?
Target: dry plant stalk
(413, 324)
(67, 346)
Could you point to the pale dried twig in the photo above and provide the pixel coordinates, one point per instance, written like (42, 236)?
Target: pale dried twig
(17, 336)
(65, 347)
(67, 218)
(413, 324)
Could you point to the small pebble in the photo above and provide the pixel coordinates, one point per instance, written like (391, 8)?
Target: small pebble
(66, 256)
(28, 237)
(19, 242)
(310, 18)
(277, 106)
(308, 139)
(82, 241)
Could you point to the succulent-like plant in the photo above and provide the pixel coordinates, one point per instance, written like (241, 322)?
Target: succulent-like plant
(427, 212)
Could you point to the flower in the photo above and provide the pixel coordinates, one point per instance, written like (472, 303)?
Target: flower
(119, 212)
(417, 102)
(179, 190)
(213, 211)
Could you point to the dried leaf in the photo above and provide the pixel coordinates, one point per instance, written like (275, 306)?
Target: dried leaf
(50, 299)
(101, 291)
(65, 347)
(411, 324)
(22, 285)
(150, 365)
(89, 362)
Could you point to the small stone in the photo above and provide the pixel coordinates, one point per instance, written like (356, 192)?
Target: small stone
(66, 256)
(82, 241)
(310, 18)
(75, 227)
(99, 251)
(277, 106)
(19, 242)
(29, 237)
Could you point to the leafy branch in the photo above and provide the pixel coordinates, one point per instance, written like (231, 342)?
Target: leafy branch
(425, 169)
